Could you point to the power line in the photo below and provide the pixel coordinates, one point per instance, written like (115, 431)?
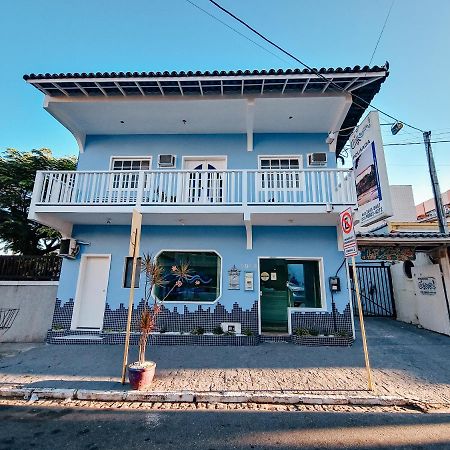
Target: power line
(413, 143)
(305, 65)
(381, 33)
(236, 31)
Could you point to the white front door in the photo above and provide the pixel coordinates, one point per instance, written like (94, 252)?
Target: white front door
(90, 298)
(206, 182)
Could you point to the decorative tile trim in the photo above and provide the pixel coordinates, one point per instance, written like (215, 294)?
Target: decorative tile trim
(207, 317)
(321, 341)
(62, 314)
(264, 338)
(323, 321)
(54, 337)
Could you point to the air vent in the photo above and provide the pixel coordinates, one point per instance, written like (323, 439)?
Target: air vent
(317, 159)
(166, 160)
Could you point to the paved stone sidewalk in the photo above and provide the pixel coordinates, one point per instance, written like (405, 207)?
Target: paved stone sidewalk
(409, 362)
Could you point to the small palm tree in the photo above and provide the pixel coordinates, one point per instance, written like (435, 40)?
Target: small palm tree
(154, 276)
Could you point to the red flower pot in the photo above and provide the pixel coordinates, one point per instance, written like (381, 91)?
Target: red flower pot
(141, 375)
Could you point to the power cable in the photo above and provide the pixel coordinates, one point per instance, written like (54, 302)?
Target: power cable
(415, 143)
(381, 33)
(236, 31)
(316, 72)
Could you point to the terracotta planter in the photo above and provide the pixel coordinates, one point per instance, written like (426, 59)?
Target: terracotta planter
(141, 375)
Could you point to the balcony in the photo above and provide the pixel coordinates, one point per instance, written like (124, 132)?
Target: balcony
(171, 197)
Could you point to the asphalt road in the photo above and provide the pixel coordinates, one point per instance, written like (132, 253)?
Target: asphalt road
(32, 427)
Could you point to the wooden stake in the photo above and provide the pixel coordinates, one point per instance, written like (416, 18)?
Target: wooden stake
(363, 329)
(135, 239)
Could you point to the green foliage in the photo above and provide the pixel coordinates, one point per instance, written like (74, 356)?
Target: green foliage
(314, 332)
(302, 332)
(218, 330)
(247, 332)
(198, 331)
(229, 333)
(343, 333)
(17, 174)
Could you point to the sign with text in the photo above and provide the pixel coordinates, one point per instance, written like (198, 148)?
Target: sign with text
(348, 233)
(372, 184)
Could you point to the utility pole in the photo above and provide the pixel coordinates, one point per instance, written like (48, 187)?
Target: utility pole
(435, 184)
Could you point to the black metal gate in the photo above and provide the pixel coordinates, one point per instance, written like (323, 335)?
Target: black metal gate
(375, 284)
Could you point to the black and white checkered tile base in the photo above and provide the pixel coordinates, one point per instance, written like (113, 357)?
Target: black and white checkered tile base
(183, 322)
(323, 322)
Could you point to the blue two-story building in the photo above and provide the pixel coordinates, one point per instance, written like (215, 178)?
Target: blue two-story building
(232, 172)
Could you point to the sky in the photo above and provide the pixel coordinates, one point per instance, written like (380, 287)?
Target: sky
(157, 35)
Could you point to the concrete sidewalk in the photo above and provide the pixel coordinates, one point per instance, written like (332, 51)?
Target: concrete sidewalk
(408, 363)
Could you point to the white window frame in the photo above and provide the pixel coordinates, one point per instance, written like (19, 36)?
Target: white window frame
(171, 302)
(280, 157)
(130, 158)
(290, 309)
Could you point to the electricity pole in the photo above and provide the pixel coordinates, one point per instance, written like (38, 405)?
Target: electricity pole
(435, 184)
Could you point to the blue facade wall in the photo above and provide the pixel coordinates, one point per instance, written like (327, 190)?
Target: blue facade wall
(229, 242)
(99, 149)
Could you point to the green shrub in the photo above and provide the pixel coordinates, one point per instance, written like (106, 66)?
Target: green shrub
(247, 332)
(198, 331)
(218, 330)
(229, 333)
(302, 332)
(314, 332)
(343, 333)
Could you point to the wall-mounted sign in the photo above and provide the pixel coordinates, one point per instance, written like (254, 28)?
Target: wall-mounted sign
(248, 281)
(426, 285)
(372, 184)
(265, 276)
(234, 278)
(273, 276)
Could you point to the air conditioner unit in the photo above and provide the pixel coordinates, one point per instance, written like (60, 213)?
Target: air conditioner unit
(166, 160)
(317, 159)
(69, 248)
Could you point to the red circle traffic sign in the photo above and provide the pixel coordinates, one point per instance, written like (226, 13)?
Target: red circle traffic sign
(347, 222)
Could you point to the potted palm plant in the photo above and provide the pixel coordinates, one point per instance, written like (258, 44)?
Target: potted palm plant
(141, 372)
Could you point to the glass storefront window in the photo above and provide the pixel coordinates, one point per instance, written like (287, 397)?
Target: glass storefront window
(202, 283)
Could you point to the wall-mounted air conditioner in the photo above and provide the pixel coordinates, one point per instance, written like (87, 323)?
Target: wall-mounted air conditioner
(317, 159)
(69, 248)
(166, 160)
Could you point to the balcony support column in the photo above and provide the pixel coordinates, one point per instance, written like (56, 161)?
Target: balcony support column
(250, 118)
(248, 230)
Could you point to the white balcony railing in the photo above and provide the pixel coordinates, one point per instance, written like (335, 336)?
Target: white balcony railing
(181, 187)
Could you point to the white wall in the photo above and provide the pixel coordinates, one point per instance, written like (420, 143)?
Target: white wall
(403, 204)
(36, 303)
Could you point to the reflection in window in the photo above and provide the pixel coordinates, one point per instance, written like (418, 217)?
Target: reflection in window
(304, 284)
(203, 281)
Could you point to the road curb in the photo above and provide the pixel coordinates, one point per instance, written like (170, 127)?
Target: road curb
(279, 398)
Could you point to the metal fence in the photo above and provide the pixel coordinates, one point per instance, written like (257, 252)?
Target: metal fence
(377, 295)
(29, 268)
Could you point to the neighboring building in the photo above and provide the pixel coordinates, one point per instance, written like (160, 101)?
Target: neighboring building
(419, 259)
(426, 211)
(230, 170)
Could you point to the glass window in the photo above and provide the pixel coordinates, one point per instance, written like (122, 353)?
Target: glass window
(303, 283)
(131, 164)
(280, 163)
(202, 283)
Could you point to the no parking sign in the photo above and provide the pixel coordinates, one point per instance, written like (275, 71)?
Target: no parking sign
(348, 233)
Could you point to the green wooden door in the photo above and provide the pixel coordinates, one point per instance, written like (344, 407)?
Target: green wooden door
(274, 295)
